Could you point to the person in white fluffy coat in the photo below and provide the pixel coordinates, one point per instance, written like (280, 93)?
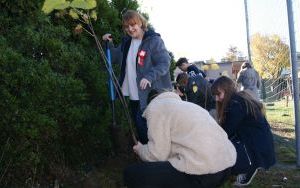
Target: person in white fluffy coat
(186, 147)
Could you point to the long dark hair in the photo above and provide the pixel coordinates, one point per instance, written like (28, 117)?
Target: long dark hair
(229, 87)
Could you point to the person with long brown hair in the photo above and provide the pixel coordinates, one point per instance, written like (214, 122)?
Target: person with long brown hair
(243, 119)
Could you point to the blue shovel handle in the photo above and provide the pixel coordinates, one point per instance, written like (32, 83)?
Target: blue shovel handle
(110, 70)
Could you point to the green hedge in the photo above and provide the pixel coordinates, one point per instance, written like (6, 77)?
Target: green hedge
(53, 102)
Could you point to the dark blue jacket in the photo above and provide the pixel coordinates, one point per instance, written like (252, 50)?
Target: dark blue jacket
(254, 133)
(198, 91)
(192, 70)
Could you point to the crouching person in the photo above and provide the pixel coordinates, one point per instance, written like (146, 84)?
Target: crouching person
(186, 147)
(243, 119)
(197, 90)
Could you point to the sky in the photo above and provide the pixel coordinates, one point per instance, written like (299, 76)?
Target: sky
(205, 29)
(199, 29)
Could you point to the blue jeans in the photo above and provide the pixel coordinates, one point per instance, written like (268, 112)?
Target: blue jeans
(164, 175)
(139, 121)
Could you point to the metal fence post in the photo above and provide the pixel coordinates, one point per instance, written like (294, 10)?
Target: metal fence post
(293, 58)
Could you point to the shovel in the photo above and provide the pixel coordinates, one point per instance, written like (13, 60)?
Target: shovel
(114, 128)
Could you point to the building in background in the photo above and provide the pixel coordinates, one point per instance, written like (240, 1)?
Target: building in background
(215, 70)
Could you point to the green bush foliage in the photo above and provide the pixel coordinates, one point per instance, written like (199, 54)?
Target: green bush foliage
(20, 8)
(54, 100)
(53, 93)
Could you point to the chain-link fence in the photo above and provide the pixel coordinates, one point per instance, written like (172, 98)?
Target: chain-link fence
(269, 46)
(273, 27)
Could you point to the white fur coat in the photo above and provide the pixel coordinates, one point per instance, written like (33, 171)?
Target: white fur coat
(186, 135)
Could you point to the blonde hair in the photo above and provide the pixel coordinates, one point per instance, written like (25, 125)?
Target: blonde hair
(131, 17)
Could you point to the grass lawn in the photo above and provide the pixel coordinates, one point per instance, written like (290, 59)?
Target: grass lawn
(283, 174)
(280, 112)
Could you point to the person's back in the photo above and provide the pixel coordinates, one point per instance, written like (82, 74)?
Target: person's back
(199, 92)
(187, 129)
(254, 131)
(186, 147)
(190, 69)
(249, 79)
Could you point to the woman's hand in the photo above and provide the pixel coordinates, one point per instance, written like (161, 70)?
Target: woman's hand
(106, 37)
(136, 147)
(144, 82)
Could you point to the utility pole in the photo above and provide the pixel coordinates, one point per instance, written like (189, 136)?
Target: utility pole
(247, 30)
(293, 57)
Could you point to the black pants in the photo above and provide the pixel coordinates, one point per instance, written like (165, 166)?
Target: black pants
(139, 121)
(244, 162)
(163, 174)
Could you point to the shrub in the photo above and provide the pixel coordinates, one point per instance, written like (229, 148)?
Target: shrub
(53, 104)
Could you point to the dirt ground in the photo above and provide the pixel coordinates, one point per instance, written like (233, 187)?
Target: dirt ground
(284, 174)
